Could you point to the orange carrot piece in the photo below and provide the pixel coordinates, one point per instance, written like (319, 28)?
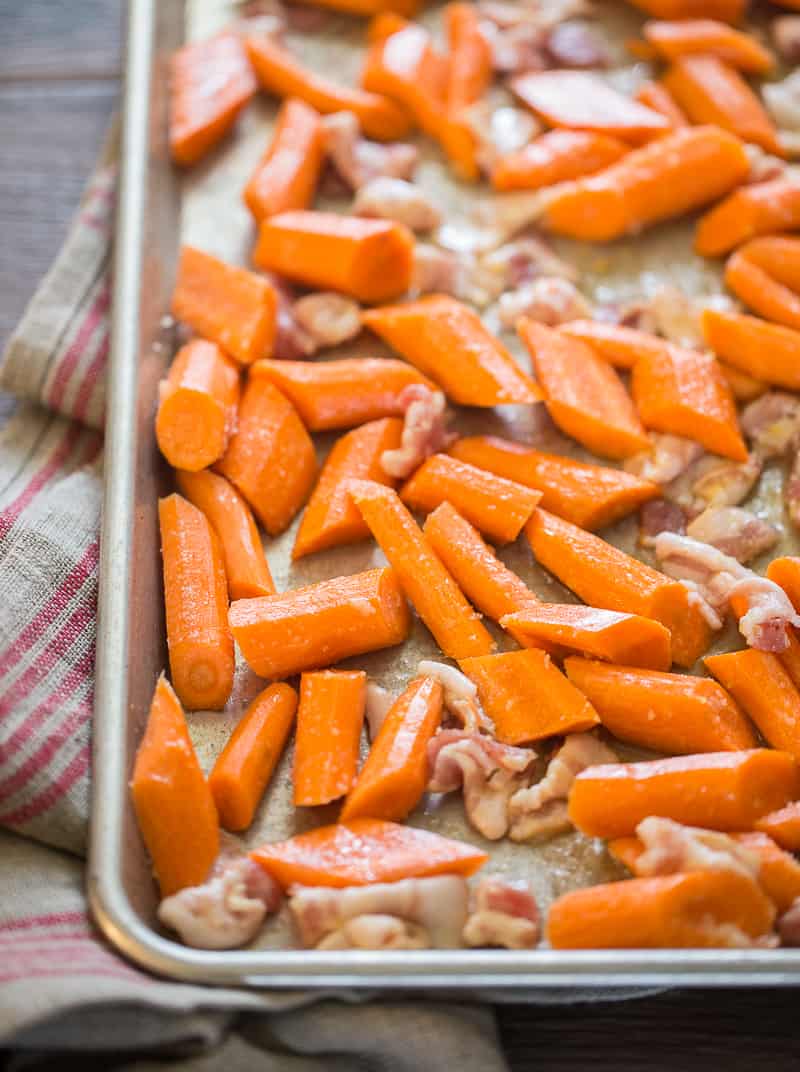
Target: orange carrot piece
(447, 341)
(246, 567)
(200, 644)
(469, 75)
(210, 83)
(395, 773)
(365, 851)
(282, 74)
(384, 24)
(716, 790)
(657, 97)
(685, 37)
(329, 722)
(407, 8)
(783, 826)
(345, 392)
(230, 306)
(174, 807)
(527, 697)
(626, 850)
(555, 156)
(785, 571)
(197, 406)
(271, 458)
(723, 10)
(436, 597)
(319, 624)
(672, 713)
(694, 910)
(245, 765)
(331, 519)
(584, 395)
(286, 176)
(628, 639)
(764, 273)
(760, 208)
(744, 388)
(369, 260)
(769, 352)
(666, 178)
(622, 347)
(496, 506)
(604, 576)
(589, 496)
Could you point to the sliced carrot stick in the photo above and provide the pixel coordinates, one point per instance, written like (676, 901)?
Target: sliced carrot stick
(286, 176)
(711, 91)
(210, 83)
(790, 656)
(331, 519)
(245, 765)
(584, 395)
(447, 341)
(246, 567)
(345, 392)
(407, 8)
(724, 10)
(764, 273)
(469, 74)
(196, 600)
(622, 347)
(555, 156)
(769, 352)
(230, 306)
(370, 260)
(384, 24)
(363, 852)
(329, 722)
(657, 97)
(685, 37)
(778, 873)
(669, 177)
(282, 74)
(744, 388)
(394, 776)
(785, 571)
(684, 392)
(760, 208)
(761, 684)
(496, 506)
(628, 639)
(589, 496)
(716, 790)
(604, 576)
(672, 713)
(197, 406)
(695, 910)
(783, 826)
(318, 625)
(271, 458)
(436, 597)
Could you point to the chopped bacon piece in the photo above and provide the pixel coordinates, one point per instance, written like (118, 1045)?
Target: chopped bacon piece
(788, 925)
(292, 341)
(378, 704)
(574, 44)
(733, 531)
(543, 13)
(424, 431)
(377, 932)
(660, 515)
(357, 161)
(791, 493)
(671, 847)
(517, 48)
(396, 199)
(505, 915)
(772, 424)
(786, 37)
(460, 695)
(726, 483)
(328, 318)
(550, 300)
(668, 457)
(499, 131)
(525, 260)
(763, 166)
(783, 101)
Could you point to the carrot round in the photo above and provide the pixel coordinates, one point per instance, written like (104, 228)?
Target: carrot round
(724, 10)
(329, 721)
(656, 96)
(245, 765)
(764, 273)
(286, 176)
(684, 37)
(395, 773)
(628, 639)
(197, 406)
(783, 826)
(200, 644)
(769, 352)
(321, 623)
(760, 208)
(622, 347)
(785, 571)
(555, 156)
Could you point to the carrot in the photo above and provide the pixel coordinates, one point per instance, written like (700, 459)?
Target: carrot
(496, 506)
(369, 260)
(744, 388)
(245, 765)
(331, 519)
(210, 83)
(622, 347)
(785, 571)
(789, 658)
(271, 458)
(695, 910)
(527, 697)
(590, 496)
(407, 8)
(469, 75)
(581, 101)
(604, 576)
(672, 713)
(365, 851)
(246, 567)
(710, 37)
(286, 176)
(197, 406)
(436, 597)
(280, 73)
(329, 722)
(769, 352)
(447, 341)
(657, 97)
(628, 639)
(584, 395)
(684, 392)
(716, 790)
(764, 273)
(196, 601)
(394, 776)
(723, 10)
(230, 306)
(555, 156)
(344, 392)
(669, 177)
(384, 24)
(760, 208)
(783, 826)
(318, 625)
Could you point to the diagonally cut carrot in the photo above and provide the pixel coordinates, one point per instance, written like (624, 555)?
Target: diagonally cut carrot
(724, 10)
(286, 176)
(769, 352)
(759, 208)
(329, 721)
(764, 273)
(783, 826)
(469, 74)
(408, 8)
(555, 156)
(406, 68)
(684, 37)
(622, 347)
(785, 571)
(656, 96)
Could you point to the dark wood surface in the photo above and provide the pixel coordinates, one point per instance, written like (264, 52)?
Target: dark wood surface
(59, 81)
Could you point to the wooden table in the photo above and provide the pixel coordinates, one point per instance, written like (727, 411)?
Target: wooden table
(59, 83)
